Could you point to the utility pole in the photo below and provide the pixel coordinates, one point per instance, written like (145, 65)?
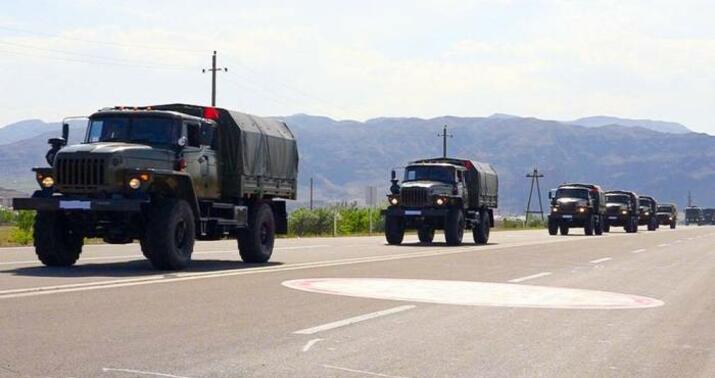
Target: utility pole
(690, 199)
(534, 176)
(213, 70)
(311, 193)
(444, 136)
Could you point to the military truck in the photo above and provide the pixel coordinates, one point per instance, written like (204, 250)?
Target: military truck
(694, 215)
(708, 216)
(622, 210)
(166, 175)
(442, 194)
(577, 205)
(667, 215)
(648, 207)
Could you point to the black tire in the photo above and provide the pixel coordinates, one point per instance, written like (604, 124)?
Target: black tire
(454, 227)
(170, 230)
(653, 225)
(672, 225)
(480, 232)
(599, 225)
(394, 230)
(55, 243)
(553, 227)
(589, 226)
(687, 223)
(425, 234)
(255, 243)
(606, 227)
(564, 228)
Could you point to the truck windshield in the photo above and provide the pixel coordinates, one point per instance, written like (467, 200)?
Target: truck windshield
(664, 209)
(429, 173)
(618, 198)
(644, 202)
(572, 193)
(144, 130)
(692, 212)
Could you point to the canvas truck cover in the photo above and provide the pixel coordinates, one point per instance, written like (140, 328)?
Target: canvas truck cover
(249, 146)
(479, 175)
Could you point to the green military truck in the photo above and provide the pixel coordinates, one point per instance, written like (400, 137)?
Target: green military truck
(622, 210)
(166, 175)
(648, 210)
(667, 215)
(709, 216)
(442, 194)
(577, 205)
(694, 215)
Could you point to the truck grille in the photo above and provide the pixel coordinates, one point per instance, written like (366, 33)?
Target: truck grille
(80, 172)
(414, 197)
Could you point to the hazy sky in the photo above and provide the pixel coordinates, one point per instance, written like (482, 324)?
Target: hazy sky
(364, 59)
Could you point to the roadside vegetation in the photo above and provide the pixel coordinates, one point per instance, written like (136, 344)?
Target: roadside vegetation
(16, 227)
(514, 223)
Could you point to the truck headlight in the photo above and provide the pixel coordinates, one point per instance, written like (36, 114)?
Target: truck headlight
(670, 218)
(135, 183)
(440, 201)
(581, 209)
(624, 212)
(394, 201)
(647, 213)
(555, 210)
(48, 182)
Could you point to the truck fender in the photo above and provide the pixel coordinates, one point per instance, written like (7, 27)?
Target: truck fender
(179, 186)
(280, 215)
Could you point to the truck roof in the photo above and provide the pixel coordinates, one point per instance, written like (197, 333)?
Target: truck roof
(146, 111)
(466, 163)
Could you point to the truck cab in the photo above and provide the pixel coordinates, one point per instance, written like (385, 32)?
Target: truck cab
(667, 215)
(622, 210)
(694, 215)
(648, 207)
(576, 205)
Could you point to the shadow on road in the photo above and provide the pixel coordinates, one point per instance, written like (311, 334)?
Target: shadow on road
(134, 268)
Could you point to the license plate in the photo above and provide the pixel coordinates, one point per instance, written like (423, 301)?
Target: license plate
(567, 216)
(413, 212)
(75, 205)
(612, 217)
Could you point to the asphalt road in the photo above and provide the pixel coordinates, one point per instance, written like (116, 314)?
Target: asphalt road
(526, 305)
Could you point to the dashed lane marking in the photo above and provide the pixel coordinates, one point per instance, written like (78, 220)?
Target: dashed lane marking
(142, 372)
(531, 277)
(353, 320)
(598, 261)
(639, 251)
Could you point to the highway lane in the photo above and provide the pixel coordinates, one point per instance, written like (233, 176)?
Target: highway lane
(223, 318)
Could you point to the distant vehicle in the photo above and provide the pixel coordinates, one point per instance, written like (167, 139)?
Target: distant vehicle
(166, 175)
(667, 215)
(577, 205)
(709, 216)
(622, 210)
(694, 215)
(443, 194)
(648, 209)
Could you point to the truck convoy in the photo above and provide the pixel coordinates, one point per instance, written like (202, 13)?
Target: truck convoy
(667, 215)
(648, 209)
(622, 210)
(694, 215)
(166, 175)
(442, 194)
(577, 205)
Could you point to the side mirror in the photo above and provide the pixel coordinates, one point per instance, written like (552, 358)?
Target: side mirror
(393, 175)
(182, 141)
(552, 194)
(65, 131)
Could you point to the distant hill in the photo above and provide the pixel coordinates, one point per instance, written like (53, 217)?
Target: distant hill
(345, 156)
(661, 126)
(26, 129)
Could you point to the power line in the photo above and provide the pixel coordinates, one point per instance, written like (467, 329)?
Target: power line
(67, 59)
(107, 43)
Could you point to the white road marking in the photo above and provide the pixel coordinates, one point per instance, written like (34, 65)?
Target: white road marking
(598, 261)
(310, 344)
(663, 245)
(639, 251)
(123, 257)
(362, 372)
(469, 293)
(353, 320)
(531, 277)
(177, 277)
(131, 371)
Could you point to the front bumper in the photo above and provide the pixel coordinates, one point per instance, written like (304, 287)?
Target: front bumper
(617, 219)
(61, 203)
(574, 219)
(415, 213)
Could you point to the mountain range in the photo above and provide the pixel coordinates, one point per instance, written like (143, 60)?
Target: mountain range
(345, 156)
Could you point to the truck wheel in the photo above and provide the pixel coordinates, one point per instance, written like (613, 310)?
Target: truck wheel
(454, 227)
(599, 225)
(672, 225)
(55, 243)
(481, 231)
(588, 226)
(606, 227)
(553, 227)
(169, 236)
(564, 228)
(394, 230)
(425, 234)
(255, 243)
(652, 226)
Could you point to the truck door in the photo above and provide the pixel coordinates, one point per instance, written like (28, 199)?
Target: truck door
(200, 158)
